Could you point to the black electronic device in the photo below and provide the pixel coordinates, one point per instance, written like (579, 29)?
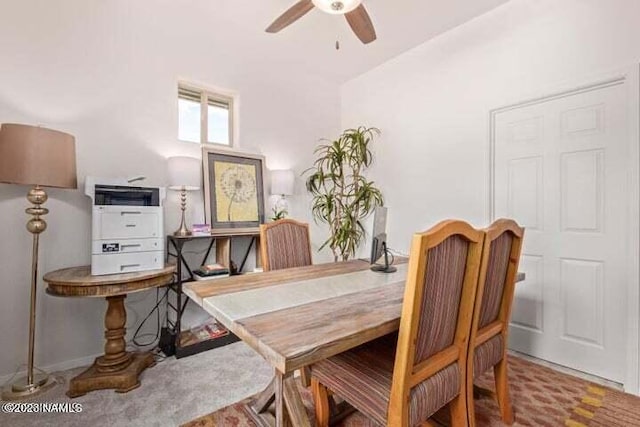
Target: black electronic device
(118, 195)
(378, 250)
(379, 242)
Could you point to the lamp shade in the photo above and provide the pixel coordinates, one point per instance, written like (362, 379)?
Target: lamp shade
(282, 182)
(336, 7)
(32, 155)
(185, 173)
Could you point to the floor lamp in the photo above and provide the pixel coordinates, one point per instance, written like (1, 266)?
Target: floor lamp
(38, 157)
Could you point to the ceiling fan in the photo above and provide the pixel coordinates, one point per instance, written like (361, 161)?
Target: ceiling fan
(353, 10)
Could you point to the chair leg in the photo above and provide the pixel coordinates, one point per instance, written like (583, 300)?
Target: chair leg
(321, 401)
(458, 410)
(471, 404)
(305, 376)
(502, 390)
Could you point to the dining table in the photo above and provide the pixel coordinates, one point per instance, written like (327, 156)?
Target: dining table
(299, 316)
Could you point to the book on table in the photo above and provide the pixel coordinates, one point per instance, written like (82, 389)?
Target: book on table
(209, 330)
(211, 271)
(198, 230)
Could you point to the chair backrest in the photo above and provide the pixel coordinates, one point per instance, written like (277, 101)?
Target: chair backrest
(285, 244)
(437, 310)
(496, 286)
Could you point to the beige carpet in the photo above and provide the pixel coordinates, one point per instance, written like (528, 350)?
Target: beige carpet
(172, 392)
(541, 397)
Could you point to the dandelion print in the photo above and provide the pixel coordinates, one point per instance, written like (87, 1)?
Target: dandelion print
(238, 185)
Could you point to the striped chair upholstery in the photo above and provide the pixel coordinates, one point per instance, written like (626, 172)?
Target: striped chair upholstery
(441, 297)
(488, 354)
(405, 383)
(489, 330)
(370, 368)
(285, 244)
(500, 250)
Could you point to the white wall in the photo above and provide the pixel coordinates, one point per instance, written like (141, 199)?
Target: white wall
(432, 102)
(106, 72)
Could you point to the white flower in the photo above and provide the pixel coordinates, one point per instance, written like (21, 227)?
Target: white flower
(238, 184)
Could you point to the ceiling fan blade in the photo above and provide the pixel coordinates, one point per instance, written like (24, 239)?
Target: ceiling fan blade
(294, 13)
(361, 24)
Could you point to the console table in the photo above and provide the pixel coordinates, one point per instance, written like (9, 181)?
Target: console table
(117, 368)
(173, 340)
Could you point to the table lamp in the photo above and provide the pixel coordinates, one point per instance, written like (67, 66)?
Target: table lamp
(40, 157)
(282, 185)
(184, 175)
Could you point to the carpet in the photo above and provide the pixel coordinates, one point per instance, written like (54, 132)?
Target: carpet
(171, 393)
(540, 397)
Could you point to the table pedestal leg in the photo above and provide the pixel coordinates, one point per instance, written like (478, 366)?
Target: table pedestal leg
(115, 356)
(117, 368)
(289, 409)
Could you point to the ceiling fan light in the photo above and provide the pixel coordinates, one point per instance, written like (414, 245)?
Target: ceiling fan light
(337, 7)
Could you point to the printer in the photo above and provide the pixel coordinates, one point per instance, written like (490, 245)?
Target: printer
(127, 233)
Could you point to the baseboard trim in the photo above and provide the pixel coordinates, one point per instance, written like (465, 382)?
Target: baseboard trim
(55, 367)
(570, 371)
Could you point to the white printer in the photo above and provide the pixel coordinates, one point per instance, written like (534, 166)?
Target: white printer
(127, 226)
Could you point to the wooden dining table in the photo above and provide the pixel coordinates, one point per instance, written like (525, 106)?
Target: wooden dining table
(299, 316)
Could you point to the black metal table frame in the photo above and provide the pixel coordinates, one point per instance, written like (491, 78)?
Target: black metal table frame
(175, 327)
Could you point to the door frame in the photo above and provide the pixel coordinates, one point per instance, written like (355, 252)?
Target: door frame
(630, 78)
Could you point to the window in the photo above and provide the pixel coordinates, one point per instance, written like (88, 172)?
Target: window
(204, 117)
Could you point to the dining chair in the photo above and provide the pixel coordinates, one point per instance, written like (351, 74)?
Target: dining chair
(405, 383)
(490, 325)
(285, 244)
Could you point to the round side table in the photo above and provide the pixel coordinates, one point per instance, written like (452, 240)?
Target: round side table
(117, 368)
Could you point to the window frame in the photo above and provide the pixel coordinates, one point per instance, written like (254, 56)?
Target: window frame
(205, 96)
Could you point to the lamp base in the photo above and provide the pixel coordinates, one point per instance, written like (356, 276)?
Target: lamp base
(182, 233)
(282, 205)
(21, 389)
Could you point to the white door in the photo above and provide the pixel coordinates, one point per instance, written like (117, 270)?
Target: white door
(561, 170)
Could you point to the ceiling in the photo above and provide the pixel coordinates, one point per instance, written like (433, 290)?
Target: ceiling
(400, 26)
(184, 34)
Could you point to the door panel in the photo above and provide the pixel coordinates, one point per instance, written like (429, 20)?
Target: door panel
(560, 171)
(528, 307)
(582, 309)
(581, 191)
(525, 191)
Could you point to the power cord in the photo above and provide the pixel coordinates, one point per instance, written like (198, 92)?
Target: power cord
(395, 252)
(158, 355)
(156, 336)
(393, 258)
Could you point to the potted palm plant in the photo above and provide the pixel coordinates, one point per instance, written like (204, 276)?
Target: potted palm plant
(342, 196)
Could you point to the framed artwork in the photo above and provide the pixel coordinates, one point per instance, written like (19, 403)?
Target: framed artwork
(233, 190)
